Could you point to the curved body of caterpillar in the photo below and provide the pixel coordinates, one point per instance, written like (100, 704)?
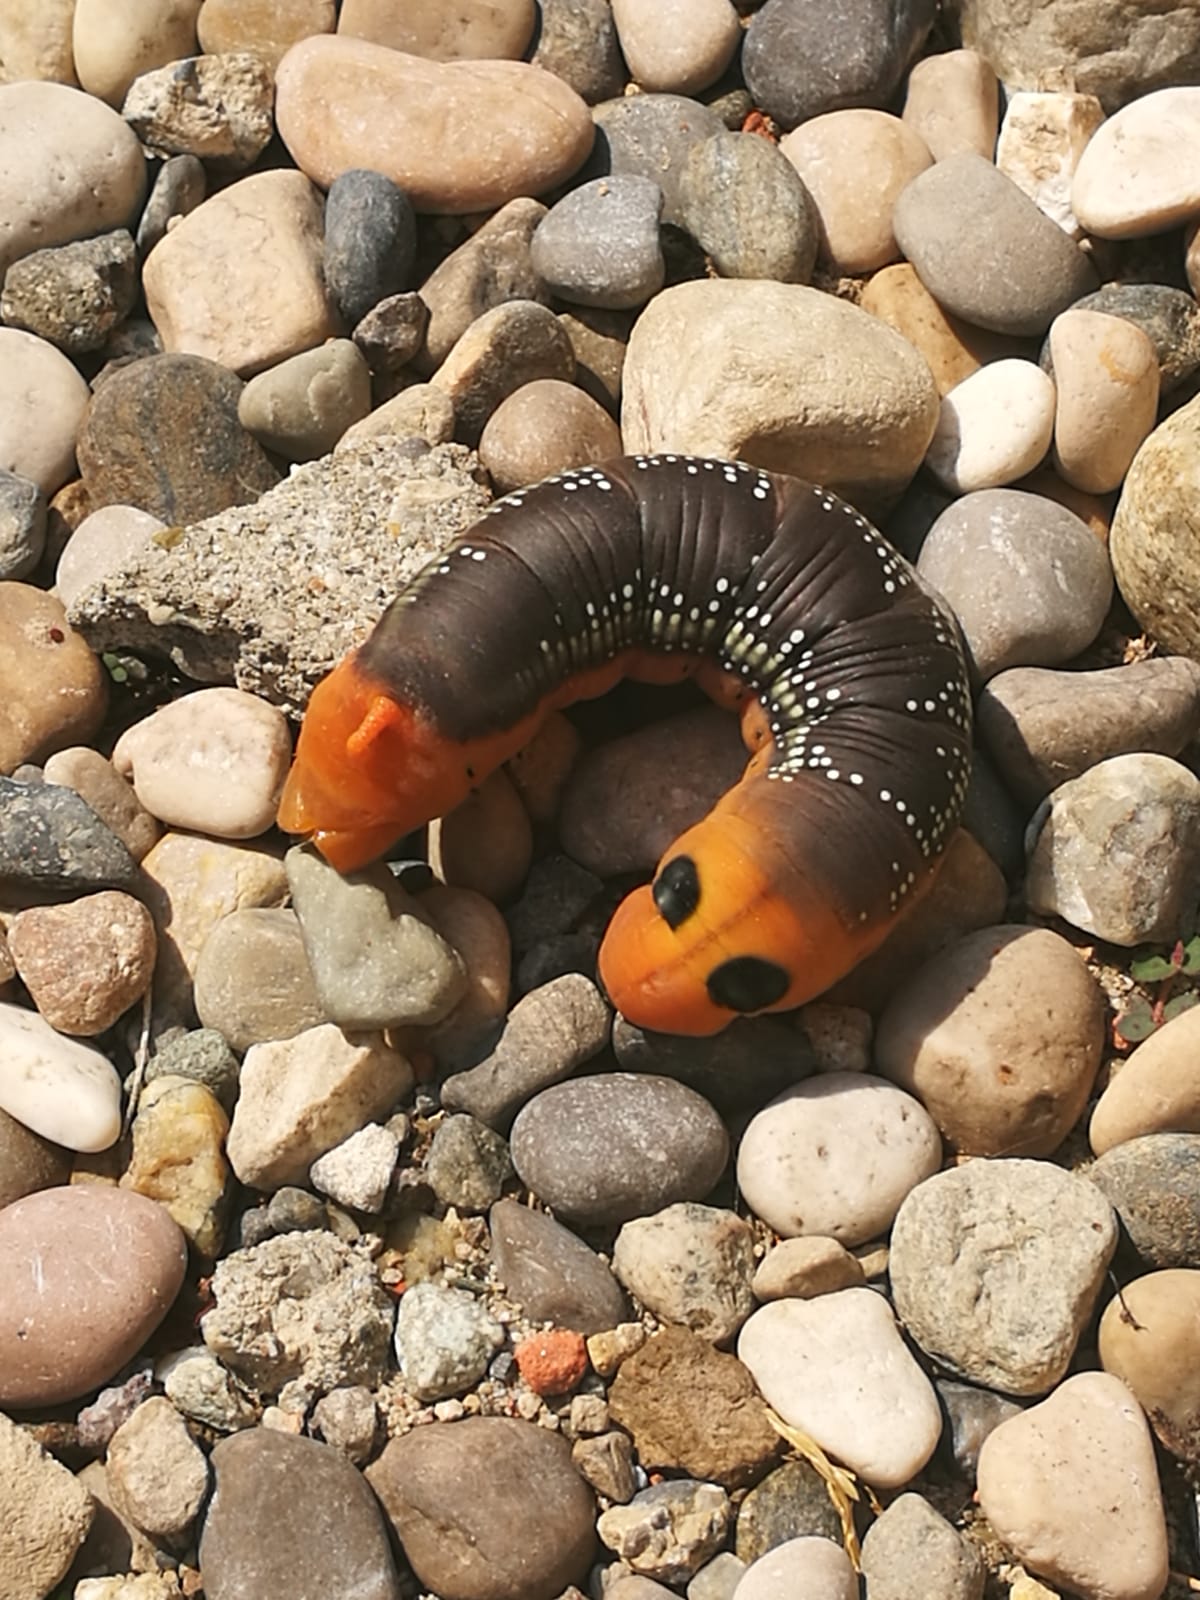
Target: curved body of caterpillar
(773, 593)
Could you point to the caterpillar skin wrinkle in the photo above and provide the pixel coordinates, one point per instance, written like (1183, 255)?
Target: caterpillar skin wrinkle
(777, 597)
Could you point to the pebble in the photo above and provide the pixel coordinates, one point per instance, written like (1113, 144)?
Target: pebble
(669, 1530)
(370, 241)
(38, 45)
(64, 1091)
(692, 1408)
(1042, 138)
(798, 1269)
(457, 1496)
(47, 1513)
(1106, 375)
(547, 1036)
(1071, 1486)
(390, 336)
(301, 1308)
(179, 188)
(545, 427)
(801, 59)
(42, 401)
(952, 101)
(606, 1463)
(178, 1158)
(201, 1055)
(104, 1268)
(84, 963)
(253, 981)
(1154, 1091)
(198, 1385)
(467, 1165)
(22, 526)
(99, 166)
(1169, 317)
(268, 27)
(53, 844)
(1116, 851)
(513, 344)
(214, 107)
(748, 209)
(283, 1505)
(800, 1569)
(358, 1172)
(1057, 608)
(213, 761)
(490, 267)
(239, 280)
(971, 1414)
(724, 368)
(302, 1096)
(157, 1474)
(1043, 728)
(999, 1036)
(953, 349)
(627, 800)
(301, 408)
(1025, 270)
(445, 1339)
(609, 1148)
(577, 42)
(884, 1422)
(551, 1273)
(476, 30)
(1151, 539)
(911, 1551)
(101, 545)
(159, 470)
(736, 1070)
(650, 136)
(791, 1502)
(854, 164)
(835, 1156)
(74, 295)
(473, 927)
(348, 1419)
(996, 1267)
(994, 427)
(29, 1163)
(113, 43)
(1148, 1338)
(1130, 180)
(552, 1363)
(343, 103)
(486, 843)
(1153, 1184)
(375, 960)
(690, 1264)
(679, 47)
(289, 1210)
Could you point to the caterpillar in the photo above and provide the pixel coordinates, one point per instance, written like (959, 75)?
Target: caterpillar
(777, 597)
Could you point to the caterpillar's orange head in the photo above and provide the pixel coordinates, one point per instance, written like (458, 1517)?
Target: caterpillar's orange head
(367, 770)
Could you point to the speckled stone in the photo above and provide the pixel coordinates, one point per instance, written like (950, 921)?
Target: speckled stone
(748, 209)
(650, 136)
(52, 842)
(74, 295)
(215, 107)
(791, 1502)
(599, 245)
(84, 963)
(577, 42)
(370, 241)
(1153, 1184)
(551, 1273)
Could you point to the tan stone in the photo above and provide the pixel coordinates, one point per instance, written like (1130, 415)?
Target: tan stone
(240, 279)
(1149, 1337)
(85, 963)
(178, 1158)
(35, 41)
(676, 46)
(420, 412)
(545, 427)
(302, 407)
(112, 799)
(456, 136)
(1039, 148)
(953, 103)
(800, 1268)
(540, 771)
(115, 40)
(488, 268)
(1107, 378)
(1156, 1091)
(470, 30)
(42, 404)
(44, 1515)
(268, 27)
(28, 1162)
(854, 164)
(56, 691)
(157, 1473)
(953, 349)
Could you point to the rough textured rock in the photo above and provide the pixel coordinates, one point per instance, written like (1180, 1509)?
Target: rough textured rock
(45, 1512)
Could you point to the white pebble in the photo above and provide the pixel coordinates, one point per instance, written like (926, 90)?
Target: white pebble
(65, 1091)
(993, 427)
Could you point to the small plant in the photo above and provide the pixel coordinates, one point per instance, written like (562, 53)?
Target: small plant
(1143, 1015)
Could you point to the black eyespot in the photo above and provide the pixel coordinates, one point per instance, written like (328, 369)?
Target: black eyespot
(677, 890)
(747, 983)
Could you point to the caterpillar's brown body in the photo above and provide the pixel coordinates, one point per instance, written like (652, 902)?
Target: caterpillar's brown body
(766, 588)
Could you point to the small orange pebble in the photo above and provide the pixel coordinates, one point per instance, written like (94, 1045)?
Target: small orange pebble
(552, 1363)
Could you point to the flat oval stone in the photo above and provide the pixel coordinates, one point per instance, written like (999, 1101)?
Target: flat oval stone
(837, 1368)
(90, 1272)
(599, 245)
(455, 136)
(551, 1273)
(545, 427)
(952, 100)
(1130, 180)
(677, 46)
(253, 979)
(370, 241)
(268, 27)
(302, 407)
(1155, 1091)
(65, 1091)
(800, 1569)
(284, 1504)
(1149, 1337)
(1169, 317)
(115, 42)
(618, 1145)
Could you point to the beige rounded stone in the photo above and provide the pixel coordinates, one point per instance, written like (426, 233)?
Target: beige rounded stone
(999, 1037)
(112, 799)
(98, 166)
(798, 1269)
(854, 164)
(84, 963)
(784, 377)
(268, 27)
(157, 1473)
(1043, 137)
(42, 402)
(470, 30)
(953, 104)
(953, 349)
(676, 46)
(1107, 377)
(805, 1568)
(302, 407)
(421, 412)
(456, 136)
(56, 691)
(993, 428)
(1156, 1091)
(65, 1091)
(115, 40)
(487, 843)
(178, 1158)
(1149, 1337)
(545, 427)
(1133, 178)
(35, 41)
(240, 279)
(102, 543)
(1071, 1485)
(470, 924)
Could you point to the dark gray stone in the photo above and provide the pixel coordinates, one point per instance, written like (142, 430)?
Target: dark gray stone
(1153, 1184)
(992, 819)
(74, 295)
(29, 1163)
(599, 245)
(370, 241)
(53, 843)
(738, 1069)
(202, 1054)
(293, 1210)
(180, 187)
(551, 1273)
(650, 136)
(576, 40)
(557, 893)
(467, 1164)
(555, 957)
(804, 57)
(607, 1148)
(972, 1414)
(748, 209)
(22, 526)
(792, 1502)
(1169, 318)
(291, 1516)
